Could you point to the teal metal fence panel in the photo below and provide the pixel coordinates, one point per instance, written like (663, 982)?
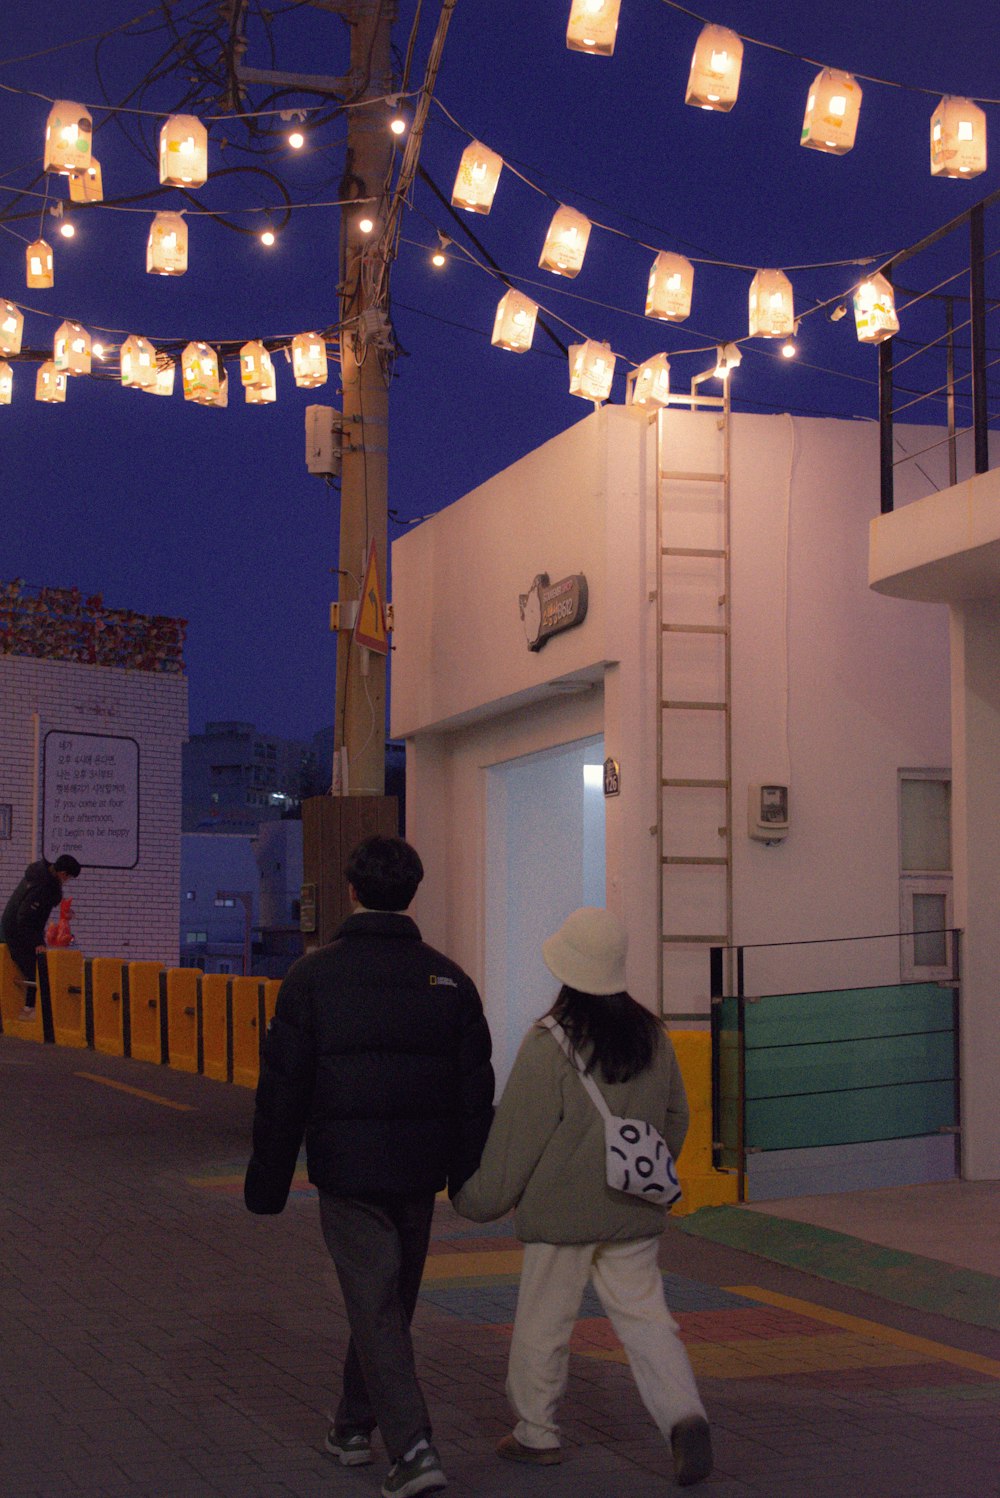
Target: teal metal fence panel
(850, 1117)
(847, 1014)
(798, 1071)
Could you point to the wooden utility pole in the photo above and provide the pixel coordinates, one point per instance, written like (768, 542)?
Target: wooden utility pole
(365, 349)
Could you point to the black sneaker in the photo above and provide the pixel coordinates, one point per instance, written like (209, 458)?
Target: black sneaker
(420, 1474)
(351, 1450)
(691, 1443)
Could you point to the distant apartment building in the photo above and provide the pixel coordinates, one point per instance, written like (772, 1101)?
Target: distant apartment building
(235, 778)
(239, 900)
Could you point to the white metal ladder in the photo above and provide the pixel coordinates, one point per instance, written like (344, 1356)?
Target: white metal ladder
(694, 678)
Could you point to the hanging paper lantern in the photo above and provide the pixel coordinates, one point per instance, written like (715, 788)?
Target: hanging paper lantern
(183, 152)
(264, 392)
(309, 364)
(50, 383)
(875, 310)
(772, 311)
(714, 81)
(137, 363)
(220, 398)
(565, 243)
(167, 245)
(593, 25)
(591, 370)
(38, 260)
(255, 364)
(6, 382)
(514, 323)
(668, 292)
(651, 386)
(71, 349)
(958, 139)
(11, 328)
(86, 186)
(478, 175)
(163, 384)
(200, 372)
(832, 110)
(68, 134)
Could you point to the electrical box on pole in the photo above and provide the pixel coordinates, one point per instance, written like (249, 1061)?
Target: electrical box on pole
(323, 434)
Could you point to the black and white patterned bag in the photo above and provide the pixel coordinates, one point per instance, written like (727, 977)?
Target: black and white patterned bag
(636, 1157)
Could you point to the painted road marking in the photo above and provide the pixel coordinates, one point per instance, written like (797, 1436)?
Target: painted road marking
(151, 1097)
(481, 1265)
(934, 1351)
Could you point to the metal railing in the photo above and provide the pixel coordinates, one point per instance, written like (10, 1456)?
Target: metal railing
(963, 380)
(835, 1066)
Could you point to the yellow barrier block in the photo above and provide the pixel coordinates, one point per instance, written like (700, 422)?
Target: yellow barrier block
(182, 1017)
(702, 1184)
(144, 1010)
(215, 1026)
(107, 989)
(247, 1006)
(271, 987)
(66, 988)
(12, 997)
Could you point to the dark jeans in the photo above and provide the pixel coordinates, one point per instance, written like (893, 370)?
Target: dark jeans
(378, 1246)
(23, 955)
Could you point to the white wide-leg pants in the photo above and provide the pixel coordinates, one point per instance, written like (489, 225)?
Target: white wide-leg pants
(630, 1288)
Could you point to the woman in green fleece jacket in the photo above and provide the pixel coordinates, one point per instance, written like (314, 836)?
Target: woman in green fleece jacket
(545, 1158)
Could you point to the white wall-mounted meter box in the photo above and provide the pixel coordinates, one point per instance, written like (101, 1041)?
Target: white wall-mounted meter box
(767, 813)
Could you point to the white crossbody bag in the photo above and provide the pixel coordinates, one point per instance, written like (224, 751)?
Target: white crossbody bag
(636, 1157)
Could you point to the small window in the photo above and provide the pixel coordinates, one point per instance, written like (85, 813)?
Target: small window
(926, 916)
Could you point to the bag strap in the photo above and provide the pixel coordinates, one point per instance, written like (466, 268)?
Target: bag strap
(563, 1041)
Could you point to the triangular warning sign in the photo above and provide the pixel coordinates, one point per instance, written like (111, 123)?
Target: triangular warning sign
(369, 629)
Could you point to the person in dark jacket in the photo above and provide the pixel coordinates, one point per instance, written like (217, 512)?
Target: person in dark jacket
(379, 1055)
(27, 912)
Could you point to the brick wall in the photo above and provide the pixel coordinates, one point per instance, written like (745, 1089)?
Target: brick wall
(131, 912)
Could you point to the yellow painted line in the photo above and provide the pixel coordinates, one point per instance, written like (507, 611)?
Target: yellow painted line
(936, 1352)
(151, 1097)
(770, 1357)
(466, 1266)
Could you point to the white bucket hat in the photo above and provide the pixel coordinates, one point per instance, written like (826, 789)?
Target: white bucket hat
(588, 951)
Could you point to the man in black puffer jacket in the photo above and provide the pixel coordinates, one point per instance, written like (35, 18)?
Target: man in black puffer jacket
(379, 1055)
(26, 913)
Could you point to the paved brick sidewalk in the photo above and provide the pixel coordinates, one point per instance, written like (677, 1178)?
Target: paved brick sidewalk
(158, 1340)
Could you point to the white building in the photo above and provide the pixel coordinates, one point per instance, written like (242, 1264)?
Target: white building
(832, 690)
(90, 763)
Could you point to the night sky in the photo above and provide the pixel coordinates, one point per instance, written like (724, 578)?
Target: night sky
(167, 508)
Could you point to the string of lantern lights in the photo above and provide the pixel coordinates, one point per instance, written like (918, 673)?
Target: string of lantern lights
(958, 149)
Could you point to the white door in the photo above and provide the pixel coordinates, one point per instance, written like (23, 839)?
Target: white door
(544, 858)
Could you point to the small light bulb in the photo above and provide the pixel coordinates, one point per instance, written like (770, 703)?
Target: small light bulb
(296, 140)
(366, 225)
(268, 237)
(398, 125)
(67, 229)
(438, 258)
(788, 350)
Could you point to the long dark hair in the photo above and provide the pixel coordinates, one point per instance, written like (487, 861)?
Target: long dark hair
(622, 1036)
